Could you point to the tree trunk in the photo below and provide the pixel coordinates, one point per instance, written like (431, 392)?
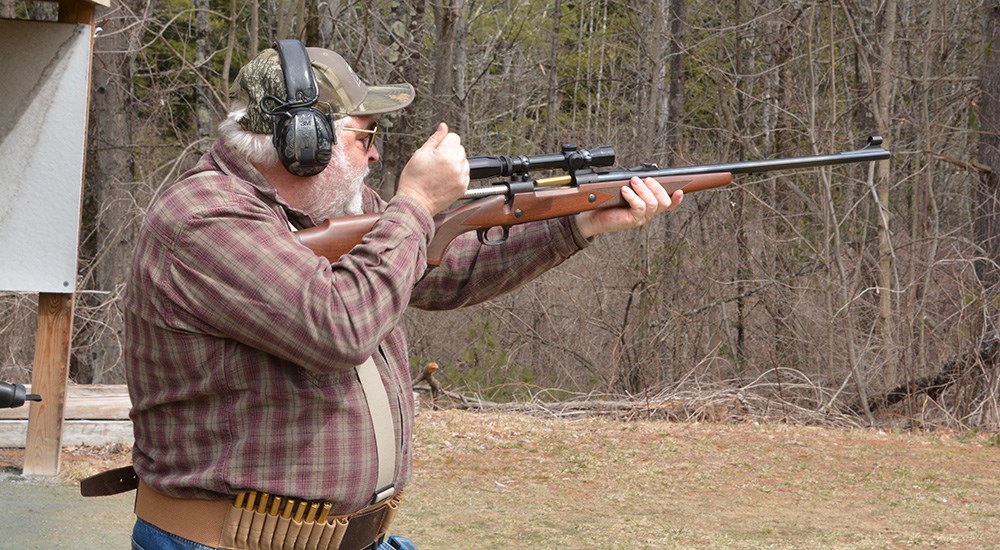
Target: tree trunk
(461, 116)
(310, 15)
(925, 213)
(743, 269)
(203, 91)
(552, 96)
(108, 217)
(287, 14)
(883, 97)
(230, 50)
(253, 49)
(446, 16)
(675, 88)
(987, 200)
(651, 120)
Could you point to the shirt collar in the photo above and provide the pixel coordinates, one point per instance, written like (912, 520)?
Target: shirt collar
(237, 166)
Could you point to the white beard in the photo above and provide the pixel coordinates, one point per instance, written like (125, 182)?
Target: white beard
(341, 195)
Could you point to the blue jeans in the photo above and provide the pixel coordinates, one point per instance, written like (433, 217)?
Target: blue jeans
(146, 536)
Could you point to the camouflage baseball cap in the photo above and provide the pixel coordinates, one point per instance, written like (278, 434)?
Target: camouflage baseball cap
(339, 87)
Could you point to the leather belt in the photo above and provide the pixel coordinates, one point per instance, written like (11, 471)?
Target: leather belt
(199, 520)
(261, 522)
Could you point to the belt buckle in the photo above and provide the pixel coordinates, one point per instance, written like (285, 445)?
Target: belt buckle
(382, 494)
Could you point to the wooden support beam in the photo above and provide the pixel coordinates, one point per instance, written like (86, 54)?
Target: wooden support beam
(49, 376)
(85, 402)
(75, 432)
(94, 415)
(76, 11)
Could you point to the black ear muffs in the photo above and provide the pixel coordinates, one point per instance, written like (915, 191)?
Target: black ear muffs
(302, 134)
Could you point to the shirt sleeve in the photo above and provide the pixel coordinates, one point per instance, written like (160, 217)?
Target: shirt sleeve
(471, 272)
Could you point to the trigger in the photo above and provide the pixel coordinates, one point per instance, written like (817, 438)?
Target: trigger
(484, 236)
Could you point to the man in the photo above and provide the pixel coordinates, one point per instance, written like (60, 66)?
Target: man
(270, 387)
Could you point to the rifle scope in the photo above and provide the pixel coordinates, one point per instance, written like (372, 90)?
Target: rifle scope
(571, 158)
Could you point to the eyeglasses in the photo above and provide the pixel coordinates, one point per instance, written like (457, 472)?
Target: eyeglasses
(368, 140)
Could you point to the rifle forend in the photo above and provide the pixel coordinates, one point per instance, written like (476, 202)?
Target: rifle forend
(522, 200)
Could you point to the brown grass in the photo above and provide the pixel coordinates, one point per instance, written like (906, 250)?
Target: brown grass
(502, 480)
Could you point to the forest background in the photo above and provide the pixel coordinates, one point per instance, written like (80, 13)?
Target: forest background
(856, 294)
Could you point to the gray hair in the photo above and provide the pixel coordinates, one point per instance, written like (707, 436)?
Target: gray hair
(257, 148)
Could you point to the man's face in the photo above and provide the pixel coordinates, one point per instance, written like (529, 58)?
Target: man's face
(358, 137)
(338, 192)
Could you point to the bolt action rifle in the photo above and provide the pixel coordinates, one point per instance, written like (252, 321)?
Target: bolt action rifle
(522, 199)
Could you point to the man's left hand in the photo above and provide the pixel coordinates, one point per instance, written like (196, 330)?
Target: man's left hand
(646, 199)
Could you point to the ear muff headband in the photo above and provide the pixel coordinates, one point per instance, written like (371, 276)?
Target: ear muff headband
(302, 134)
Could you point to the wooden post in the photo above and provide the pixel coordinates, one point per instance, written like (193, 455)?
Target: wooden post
(76, 11)
(42, 167)
(49, 376)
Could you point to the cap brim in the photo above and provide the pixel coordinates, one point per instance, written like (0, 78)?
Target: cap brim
(385, 99)
(340, 86)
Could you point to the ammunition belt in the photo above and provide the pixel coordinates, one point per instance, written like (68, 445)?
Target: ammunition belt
(260, 521)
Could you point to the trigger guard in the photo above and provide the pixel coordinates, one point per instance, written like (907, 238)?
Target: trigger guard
(484, 238)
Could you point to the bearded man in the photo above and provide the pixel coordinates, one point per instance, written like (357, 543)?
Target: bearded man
(270, 387)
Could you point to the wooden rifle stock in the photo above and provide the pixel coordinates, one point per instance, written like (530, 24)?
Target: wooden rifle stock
(336, 237)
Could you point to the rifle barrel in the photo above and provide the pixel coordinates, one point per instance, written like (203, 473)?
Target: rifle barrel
(873, 151)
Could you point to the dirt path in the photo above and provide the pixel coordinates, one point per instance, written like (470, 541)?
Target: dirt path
(512, 481)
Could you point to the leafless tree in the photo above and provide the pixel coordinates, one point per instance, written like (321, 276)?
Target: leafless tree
(860, 279)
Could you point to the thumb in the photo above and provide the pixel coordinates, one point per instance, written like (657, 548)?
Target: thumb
(437, 137)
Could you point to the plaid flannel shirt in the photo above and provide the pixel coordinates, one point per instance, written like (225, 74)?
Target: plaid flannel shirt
(240, 342)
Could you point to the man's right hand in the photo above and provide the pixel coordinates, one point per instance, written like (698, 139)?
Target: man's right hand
(437, 174)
